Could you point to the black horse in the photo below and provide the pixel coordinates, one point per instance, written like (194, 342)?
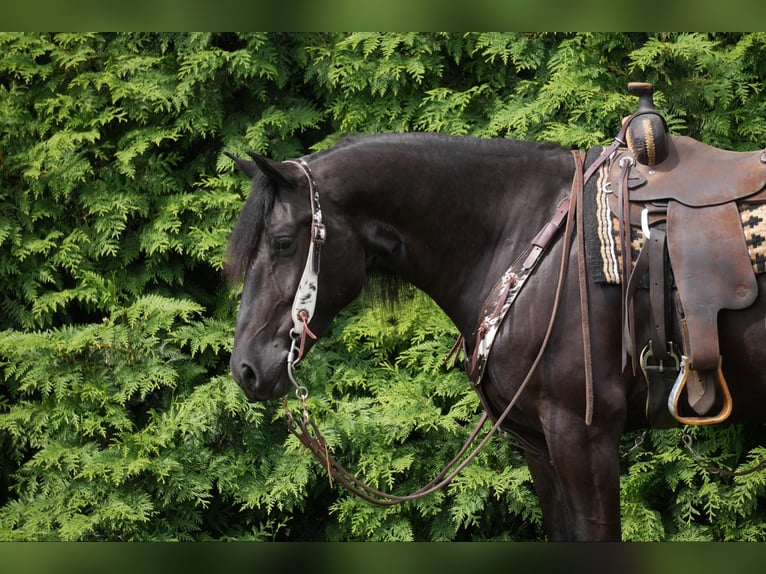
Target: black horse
(449, 215)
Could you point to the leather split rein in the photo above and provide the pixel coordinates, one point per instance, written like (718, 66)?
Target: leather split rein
(501, 298)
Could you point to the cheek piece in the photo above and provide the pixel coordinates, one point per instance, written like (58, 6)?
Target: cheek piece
(304, 303)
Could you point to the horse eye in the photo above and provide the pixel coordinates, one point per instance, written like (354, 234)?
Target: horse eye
(282, 245)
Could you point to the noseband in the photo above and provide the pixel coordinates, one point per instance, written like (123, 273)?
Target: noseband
(304, 303)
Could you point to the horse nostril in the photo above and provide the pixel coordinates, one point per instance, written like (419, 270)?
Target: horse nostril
(247, 374)
(243, 373)
(246, 378)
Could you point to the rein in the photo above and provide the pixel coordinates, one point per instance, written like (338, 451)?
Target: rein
(305, 429)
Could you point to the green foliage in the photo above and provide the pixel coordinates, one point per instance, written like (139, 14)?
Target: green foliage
(118, 418)
(672, 493)
(398, 416)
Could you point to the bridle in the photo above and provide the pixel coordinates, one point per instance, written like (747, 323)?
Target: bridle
(304, 305)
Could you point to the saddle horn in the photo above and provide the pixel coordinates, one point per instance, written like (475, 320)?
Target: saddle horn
(647, 133)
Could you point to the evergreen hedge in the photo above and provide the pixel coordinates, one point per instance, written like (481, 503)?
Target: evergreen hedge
(118, 418)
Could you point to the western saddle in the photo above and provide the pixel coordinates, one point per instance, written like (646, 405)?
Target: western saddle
(683, 195)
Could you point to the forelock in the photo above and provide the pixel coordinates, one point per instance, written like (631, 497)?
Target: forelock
(249, 228)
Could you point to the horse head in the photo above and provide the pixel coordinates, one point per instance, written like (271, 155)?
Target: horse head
(279, 245)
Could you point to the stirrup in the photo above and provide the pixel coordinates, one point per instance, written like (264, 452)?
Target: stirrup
(680, 384)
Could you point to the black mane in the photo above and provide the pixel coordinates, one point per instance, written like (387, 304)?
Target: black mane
(503, 146)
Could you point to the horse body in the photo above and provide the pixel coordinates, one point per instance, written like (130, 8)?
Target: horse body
(448, 215)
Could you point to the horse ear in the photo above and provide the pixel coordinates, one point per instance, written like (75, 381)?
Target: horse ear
(274, 170)
(249, 168)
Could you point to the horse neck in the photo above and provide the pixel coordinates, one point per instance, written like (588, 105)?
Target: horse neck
(452, 226)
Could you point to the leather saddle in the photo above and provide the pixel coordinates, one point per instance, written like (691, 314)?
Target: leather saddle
(693, 250)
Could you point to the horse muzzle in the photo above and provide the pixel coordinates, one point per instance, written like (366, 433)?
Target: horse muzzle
(259, 383)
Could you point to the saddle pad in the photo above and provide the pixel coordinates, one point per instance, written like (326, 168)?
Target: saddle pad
(602, 238)
(603, 248)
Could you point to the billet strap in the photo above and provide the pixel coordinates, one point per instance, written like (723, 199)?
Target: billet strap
(651, 259)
